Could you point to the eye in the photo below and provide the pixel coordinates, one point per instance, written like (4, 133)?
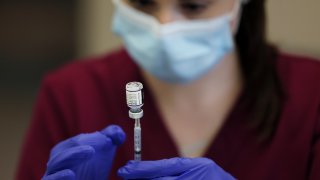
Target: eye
(193, 7)
(141, 4)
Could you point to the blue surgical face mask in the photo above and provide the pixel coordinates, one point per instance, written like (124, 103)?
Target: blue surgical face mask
(177, 52)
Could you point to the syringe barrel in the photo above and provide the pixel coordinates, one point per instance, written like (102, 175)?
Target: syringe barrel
(137, 139)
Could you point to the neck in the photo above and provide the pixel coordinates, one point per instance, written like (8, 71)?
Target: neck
(220, 82)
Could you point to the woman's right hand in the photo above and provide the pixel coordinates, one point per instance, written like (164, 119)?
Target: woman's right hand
(85, 156)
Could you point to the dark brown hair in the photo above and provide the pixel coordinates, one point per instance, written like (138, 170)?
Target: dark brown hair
(258, 62)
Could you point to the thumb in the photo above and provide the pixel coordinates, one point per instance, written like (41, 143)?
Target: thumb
(159, 168)
(115, 133)
(66, 174)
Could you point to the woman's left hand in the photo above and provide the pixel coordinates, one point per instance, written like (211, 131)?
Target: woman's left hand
(174, 169)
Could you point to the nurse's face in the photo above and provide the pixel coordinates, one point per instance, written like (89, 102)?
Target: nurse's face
(172, 10)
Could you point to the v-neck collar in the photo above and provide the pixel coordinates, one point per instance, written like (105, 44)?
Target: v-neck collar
(222, 148)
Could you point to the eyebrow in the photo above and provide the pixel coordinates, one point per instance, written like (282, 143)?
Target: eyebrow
(140, 0)
(197, 0)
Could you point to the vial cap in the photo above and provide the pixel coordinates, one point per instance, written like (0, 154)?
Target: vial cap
(134, 86)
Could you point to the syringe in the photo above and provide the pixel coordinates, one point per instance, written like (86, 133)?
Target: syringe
(135, 102)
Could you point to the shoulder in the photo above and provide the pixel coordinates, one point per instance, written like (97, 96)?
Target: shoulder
(112, 67)
(299, 73)
(300, 77)
(297, 65)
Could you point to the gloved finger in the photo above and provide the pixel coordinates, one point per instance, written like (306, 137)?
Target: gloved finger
(69, 158)
(95, 139)
(115, 133)
(160, 168)
(63, 145)
(66, 174)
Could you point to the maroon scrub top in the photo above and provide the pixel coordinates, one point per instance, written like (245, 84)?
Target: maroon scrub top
(86, 96)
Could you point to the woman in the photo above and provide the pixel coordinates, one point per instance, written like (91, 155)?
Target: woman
(214, 88)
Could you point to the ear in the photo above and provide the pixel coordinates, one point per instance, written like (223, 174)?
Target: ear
(236, 15)
(234, 25)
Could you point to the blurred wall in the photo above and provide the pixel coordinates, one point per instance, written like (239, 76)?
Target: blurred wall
(94, 34)
(293, 25)
(35, 37)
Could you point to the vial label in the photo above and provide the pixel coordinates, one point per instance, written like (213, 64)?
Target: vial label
(134, 98)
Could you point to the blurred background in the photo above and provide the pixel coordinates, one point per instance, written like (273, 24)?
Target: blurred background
(39, 36)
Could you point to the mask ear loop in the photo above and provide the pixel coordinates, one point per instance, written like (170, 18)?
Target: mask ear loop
(235, 15)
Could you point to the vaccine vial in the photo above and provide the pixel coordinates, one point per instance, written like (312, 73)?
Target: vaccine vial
(134, 95)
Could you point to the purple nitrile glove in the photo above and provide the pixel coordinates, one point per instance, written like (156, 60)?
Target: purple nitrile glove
(174, 169)
(85, 156)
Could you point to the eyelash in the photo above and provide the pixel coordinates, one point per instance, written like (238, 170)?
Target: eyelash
(193, 7)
